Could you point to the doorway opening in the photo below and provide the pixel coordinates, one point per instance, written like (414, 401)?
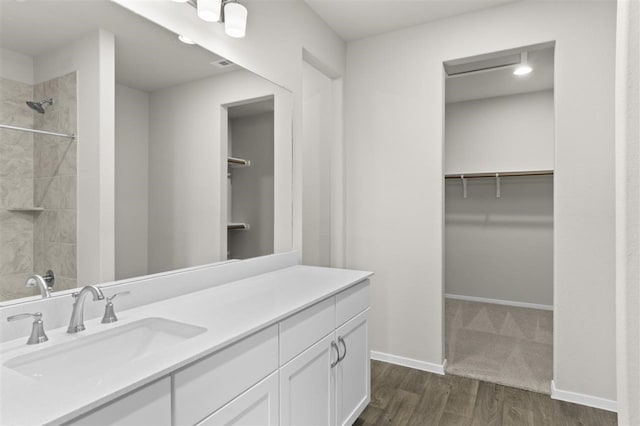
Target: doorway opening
(250, 179)
(498, 233)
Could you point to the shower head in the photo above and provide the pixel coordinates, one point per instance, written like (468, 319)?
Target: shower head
(39, 106)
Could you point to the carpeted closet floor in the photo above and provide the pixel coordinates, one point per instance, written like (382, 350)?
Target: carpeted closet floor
(501, 344)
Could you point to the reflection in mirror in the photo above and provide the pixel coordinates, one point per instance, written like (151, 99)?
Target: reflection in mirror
(136, 179)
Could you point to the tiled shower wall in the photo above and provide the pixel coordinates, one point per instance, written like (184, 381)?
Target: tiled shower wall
(16, 190)
(38, 171)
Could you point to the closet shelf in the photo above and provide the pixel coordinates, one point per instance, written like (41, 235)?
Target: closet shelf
(499, 174)
(238, 162)
(26, 209)
(238, 226)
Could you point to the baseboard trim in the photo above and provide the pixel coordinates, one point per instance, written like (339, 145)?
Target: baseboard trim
(409, 362)
(499, 302)
(582, 399)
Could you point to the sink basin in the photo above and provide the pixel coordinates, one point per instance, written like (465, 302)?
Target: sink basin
(90, 358)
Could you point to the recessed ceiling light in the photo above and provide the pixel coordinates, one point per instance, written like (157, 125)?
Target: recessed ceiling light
(181, 1)
(523, 68)
(185, 40)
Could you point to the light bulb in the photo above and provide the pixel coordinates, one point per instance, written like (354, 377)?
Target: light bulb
(523, 69)
(209, 10)
(235, 20)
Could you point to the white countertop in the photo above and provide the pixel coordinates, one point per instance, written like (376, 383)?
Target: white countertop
(230, 312)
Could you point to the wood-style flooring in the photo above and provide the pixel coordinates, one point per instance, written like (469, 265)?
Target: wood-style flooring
(404, 396)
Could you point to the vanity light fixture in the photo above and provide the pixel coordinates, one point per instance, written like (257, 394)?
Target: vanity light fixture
(235, 19)
(209, 10)
(523, 68)
(228, 12)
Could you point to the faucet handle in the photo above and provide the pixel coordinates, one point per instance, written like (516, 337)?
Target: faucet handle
(50, 278)
(109, 313)
(113, 296)
(37, 331)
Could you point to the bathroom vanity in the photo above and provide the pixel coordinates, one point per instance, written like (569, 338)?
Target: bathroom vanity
(283, 347)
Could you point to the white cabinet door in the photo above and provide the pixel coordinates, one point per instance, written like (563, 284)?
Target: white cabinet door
(352, 372)
(257, 406)
(149, 406)
(307, 386)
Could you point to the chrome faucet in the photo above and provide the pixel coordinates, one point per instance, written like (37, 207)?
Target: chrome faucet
(42, 283)
(77, 315)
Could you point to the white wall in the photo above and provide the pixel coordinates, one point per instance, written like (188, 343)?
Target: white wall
(500, 248)
(394, 151)
(317, 133)
(628, 211)
(252, 187)
(187, 167)
(16, 66)
(277, 35)
(93, 57)
(131, 182)
(506, 133)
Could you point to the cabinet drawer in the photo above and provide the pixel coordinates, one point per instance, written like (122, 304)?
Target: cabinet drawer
(305, 328)
(203, 387)
(351, 302)
(150, 405)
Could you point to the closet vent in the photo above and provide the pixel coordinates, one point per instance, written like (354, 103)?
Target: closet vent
(222, 63)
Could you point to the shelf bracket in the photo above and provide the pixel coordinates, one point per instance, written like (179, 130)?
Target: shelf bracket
(498, 185)
(464, 186)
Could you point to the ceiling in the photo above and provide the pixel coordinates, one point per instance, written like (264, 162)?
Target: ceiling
(501, 81)
(148, 57)
(355, 19)
(248, 109)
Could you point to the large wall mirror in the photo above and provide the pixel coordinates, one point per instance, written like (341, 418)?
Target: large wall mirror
(149, 154)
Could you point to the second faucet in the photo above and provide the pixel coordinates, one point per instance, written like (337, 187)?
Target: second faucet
(77, 315)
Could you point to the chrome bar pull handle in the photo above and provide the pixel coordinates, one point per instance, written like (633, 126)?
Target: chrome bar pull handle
(341, 340)
(335, 346)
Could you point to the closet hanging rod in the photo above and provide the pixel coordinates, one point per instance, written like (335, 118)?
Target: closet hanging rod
(238, 227)
(41, 132)
(499, 174)
(238, 161)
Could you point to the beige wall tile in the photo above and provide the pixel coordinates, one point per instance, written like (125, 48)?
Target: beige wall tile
(15, 226)
(68, 192)
(46, 152)
(16, 192)
(13, 107)
(16, 257)
(16, 153)
(66, 226)
(67, 154)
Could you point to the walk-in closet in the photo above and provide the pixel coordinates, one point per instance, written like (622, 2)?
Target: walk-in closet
(499, 168)
(250, 190)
